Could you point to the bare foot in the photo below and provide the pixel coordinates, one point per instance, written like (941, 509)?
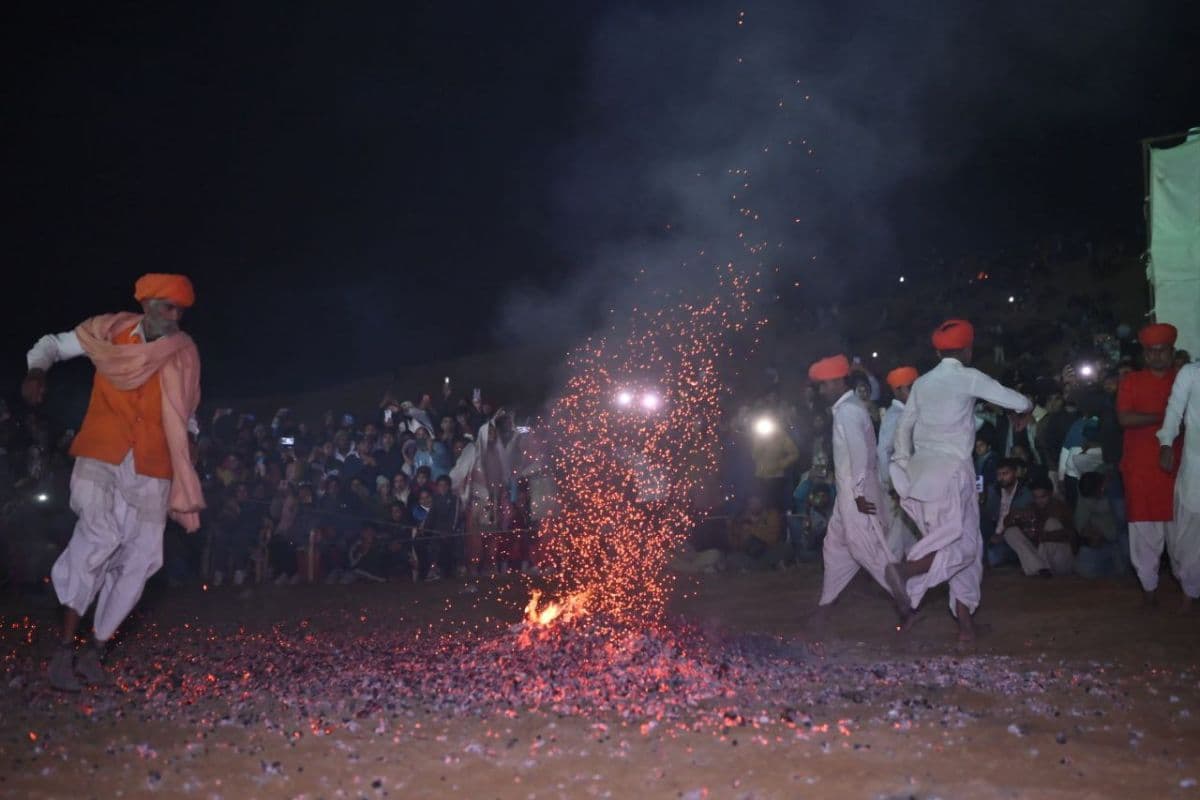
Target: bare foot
(908, 621)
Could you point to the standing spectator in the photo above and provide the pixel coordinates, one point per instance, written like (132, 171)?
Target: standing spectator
(774, 455)
(1149, 490)
(444, 522)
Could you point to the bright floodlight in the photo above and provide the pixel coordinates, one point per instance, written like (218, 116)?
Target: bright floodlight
(764, 426)
(1087, 370)
(650, 401)
(874, 354)
(42, 497)
(902, 279)
(1012, 299)
(624, 398)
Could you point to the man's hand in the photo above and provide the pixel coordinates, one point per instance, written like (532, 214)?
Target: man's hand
(33, 388)
(864, 505)
(1166, 458)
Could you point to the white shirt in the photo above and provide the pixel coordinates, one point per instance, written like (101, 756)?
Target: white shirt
(854, 450)
(940, 414)
(54, 347)
(1184, 407)
(887, 440)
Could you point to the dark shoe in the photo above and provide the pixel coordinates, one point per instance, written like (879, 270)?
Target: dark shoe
(61, 671)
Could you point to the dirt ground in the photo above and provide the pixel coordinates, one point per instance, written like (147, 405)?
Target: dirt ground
(1073, 691)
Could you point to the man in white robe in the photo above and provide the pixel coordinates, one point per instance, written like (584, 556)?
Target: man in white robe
(855, 536)
(1183, 539)
(900, 529)
(934, 475)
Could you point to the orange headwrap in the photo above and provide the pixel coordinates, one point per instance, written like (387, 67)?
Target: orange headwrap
(162, 286)
(954, 334)
(1158, 334)
(829, 369)
(902, 376)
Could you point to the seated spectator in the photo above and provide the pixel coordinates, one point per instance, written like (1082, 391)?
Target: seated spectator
(806, 528)
(368, 558)
(1041, 534)
(1009, 493)
(1097, 529)
(985, 460)
(756, 537)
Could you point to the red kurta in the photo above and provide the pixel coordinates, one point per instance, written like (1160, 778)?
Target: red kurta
(1149, 492)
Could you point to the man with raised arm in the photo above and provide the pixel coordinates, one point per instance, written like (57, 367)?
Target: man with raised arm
(934, 475)
(133, 464)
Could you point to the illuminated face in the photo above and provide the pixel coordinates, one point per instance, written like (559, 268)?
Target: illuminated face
(1041, 498)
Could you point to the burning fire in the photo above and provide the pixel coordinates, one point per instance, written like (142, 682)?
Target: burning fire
(570, 608)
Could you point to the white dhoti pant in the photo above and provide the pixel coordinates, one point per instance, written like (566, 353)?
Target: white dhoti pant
(117, 543)
(1181, 538)
(852, 540)
(949, 526)
(1053, 556)
(901, 532)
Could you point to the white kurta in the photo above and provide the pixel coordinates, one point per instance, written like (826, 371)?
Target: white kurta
(853, 539)
(1182, 539)
(934, 475)
(896, 522)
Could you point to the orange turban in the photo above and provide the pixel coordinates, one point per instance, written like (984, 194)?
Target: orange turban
(162, 286)
(829, 369)
(1158, 334)
(954, 334)
(902, 376)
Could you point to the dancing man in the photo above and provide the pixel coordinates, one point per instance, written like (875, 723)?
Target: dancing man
(900, 529)
(133, 462)
(855, 536)
(934, 475)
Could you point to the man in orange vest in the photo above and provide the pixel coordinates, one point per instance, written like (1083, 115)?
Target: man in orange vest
(132, 462)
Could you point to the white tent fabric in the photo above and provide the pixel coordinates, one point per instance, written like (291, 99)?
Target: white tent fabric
(1174, 257)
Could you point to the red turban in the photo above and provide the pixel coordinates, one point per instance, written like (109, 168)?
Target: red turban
(954, 334)
(902, 376)
(1158, 334)
(829, 369)
(176, 289)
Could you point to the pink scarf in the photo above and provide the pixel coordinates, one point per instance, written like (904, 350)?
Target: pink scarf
(177, 362)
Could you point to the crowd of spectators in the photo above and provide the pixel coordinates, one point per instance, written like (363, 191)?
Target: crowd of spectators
(373, 497)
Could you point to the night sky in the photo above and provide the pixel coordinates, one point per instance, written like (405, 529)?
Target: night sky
(355, 187)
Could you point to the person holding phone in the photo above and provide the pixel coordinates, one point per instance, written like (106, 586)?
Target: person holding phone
(934, 475)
